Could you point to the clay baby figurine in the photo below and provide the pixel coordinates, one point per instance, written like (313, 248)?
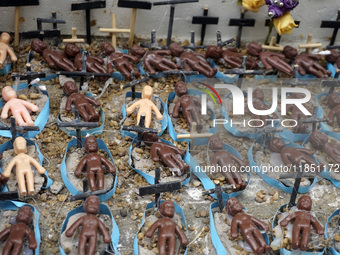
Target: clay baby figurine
(18, 232)
(307, 64)
(18, 107)
(5, 49)
(302, 223)
(248, 226)
(188, 105)
(167, 230)
(155, 60)
(224, 158)
(22, 163)
(90, 225)
(254, 49)
(120, 61)
(333, 101)
(93, 164)
(333, 57)
(82, 102)
(53, 58)
(320, 141)
(193, 61)
(146, 106)
(291, 155)
(275, 60)
(170, 155)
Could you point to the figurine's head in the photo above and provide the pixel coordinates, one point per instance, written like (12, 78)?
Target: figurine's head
(290, 52)
(181, 89)
(147, 92)
(8, 93)
(138, 51)
(91, 144)
(214, 52)
(38, 45)
(69, 88)
(333, 57)
(254, 49)
(318, 139)
(276, 145)
(333, 100)
(20, 145)
(92, 204)
(304, 203)
(150, 138)
(5, 38)
(258, 94)
(233, 206)
(25, 215)
(107, 48)
(215, 143)
(176, 49)
(71, 50)
(167, 209)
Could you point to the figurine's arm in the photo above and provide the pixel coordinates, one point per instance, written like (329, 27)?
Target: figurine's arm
(154, 153)
(307, 151)
(104, 231)
(80, 167)
(109, 65)
(260, 223)
(48, 59)
(130, 57)
(8, 170)
(177, 150)
(30, 106)
(39, 167)
(318, 227)
(74, 227)
(149, 233)
(176, 109)
(159, 116)
(330, 116)
(12, 54)
(286, 220)
(182, 236)
(196, 100)
(163, 52)
(132, 107)
(233, 229)
(198, 54)
(314, 57)
(31, 239)
(285, 159)
(4, 113)
(98, 59)
(5, 232)
(92, 101)
(68, 106)
(109, 166)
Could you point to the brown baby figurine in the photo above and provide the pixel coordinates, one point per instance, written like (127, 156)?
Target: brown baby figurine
(254, 49)
(297, 114)
(290, 52)
(170, 155)
(320, 141)
(307, 64)
(154, 60)
(93, 164)
(275, 60)
(90, 225)
(248, 226)
(82, 102)
(53, 58)
(120, 61)
(18, 107)
(291, 155)
(3, 180)
(5, 49)
(223, 158)
(302, 223)
(22, 163)
(333, 57)
(146, 106)
(333, 101)
(18, 232)
(188, 104)
(167, 230)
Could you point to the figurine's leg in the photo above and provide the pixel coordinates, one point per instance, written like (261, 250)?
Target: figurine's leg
(94, 115)
(147, 119)
(260, 240)
(82, 245)
(197, 118)
(230, 179)
(27, 118)
(187, 115)
(7, 249)
(161, 245)
(296, 236)
(183, 167)
(169, 64)
(84, 114)
(125, 72)
(30, 182)
(338, 118)
(238, 180)
(91, 181)
(19, 119)
(21, 183)
(253, 244)
(171, 245)
(17, 249)
(304, 238)
(92, 245)
(168, 160)
(100, 179)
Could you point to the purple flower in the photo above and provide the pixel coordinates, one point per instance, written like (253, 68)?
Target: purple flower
(278, 7)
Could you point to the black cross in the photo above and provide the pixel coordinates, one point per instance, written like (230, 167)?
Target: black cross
(278, 37)
(219, 40)
(204, 21)
(332, 24)
(172, 4)
(181, 73)
(78, 124)
(241, 72)
(14, 129)
(83, 73)
(159, 188)
(140, 129)
(332, 84)
(9, 195)
(295, 81)
(314, 119)
(86, 194)
(134, 83)
(29, 75)
(218, 190)
(40, 33)
(192, 44)
(88, 5)
(153, 44)
(240, 23)
(266, 132)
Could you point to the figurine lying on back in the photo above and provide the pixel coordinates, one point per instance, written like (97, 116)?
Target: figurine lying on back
(81, 102)
(223, 159)
(167, 230)
(248, 226)
(333, 102)
(90, 225)
(170, 155)
(17, 233)
(22, 163)
(308, 65)
(320, 141)
(5, 49)
(93, 164)
(18, 107)
(302, 223)
(333, 58)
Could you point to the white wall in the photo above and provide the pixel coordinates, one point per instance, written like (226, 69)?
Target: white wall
(310, 12)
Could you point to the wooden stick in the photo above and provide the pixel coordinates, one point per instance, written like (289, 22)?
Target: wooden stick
(16, 25)
(272, 45)
(132, 27)
(74, 38)
(114, 38)
(185, 136)
(309, 44)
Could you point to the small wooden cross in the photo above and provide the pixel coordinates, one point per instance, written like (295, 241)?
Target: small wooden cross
(309, 44)
(74, 38)
(272, 45)
(193, 135)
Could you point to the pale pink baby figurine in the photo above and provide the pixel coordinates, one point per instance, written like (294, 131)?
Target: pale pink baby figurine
(18, 107)
(5, 49)
(22, 162)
